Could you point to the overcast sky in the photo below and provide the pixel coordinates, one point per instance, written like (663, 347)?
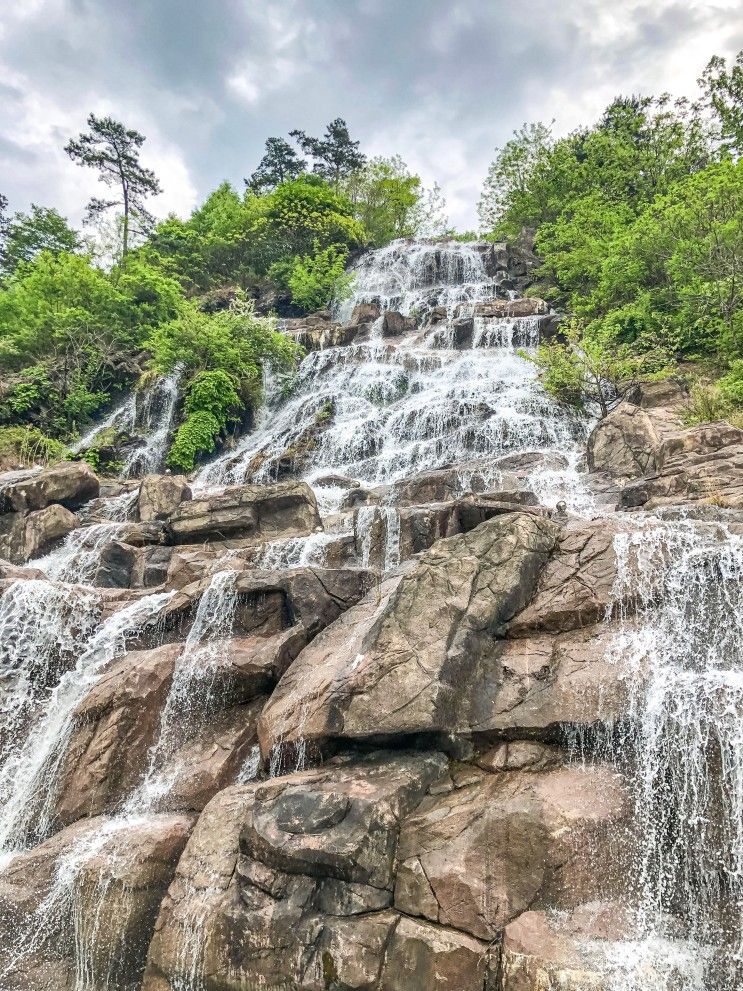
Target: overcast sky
(441, 82)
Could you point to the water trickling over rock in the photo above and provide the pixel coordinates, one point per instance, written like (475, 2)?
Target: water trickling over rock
(357, 707)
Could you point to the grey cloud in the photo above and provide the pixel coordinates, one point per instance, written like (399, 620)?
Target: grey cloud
(440, 82)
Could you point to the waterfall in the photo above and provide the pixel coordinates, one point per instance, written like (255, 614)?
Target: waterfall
(684, 736)
(380, 411)
(191, 697)
(155, 417)
(29, 772)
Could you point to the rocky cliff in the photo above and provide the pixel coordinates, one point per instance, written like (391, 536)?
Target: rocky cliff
(428, 685)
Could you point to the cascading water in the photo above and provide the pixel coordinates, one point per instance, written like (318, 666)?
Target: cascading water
(683, 741)
(29, 772)
(379, 412)
(155, 415)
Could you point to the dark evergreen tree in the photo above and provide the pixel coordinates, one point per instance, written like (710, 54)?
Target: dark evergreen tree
(280, 164)
(113, 150)
(336, 155)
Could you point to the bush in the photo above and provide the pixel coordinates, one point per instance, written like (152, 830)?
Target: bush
(317, 280)
(29, 446)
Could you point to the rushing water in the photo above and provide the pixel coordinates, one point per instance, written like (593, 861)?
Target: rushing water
(684, 738)
(379, 411)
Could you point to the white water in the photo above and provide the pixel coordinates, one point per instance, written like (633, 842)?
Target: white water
(29, 772)
(193, 692)
(155, 417)
(684, 738)
(380, 412)
(396, 408)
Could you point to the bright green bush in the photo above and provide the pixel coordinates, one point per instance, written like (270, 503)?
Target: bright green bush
(319, 279)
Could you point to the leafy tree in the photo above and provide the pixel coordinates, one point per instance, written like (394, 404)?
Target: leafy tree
(233, 340)
(336, 155)
(68, 330)
(3, 216)
(319, 279)
(589, 372)
(280, 163)
(28, 234)
(113, 150)
(211, 400)
(297, 214)
(723, 89)
(391, 202)
(509, 184)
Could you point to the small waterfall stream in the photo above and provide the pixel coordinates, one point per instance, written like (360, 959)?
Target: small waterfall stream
(444, 395)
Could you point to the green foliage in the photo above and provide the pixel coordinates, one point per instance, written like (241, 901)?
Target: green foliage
(195, 436)
(584, 371)
(223, 354)
(390, 202)
(723, 90)
(28, 234)
(29, 446)
(211, 398)
(233, 340)
(67, 329)
(319, 279)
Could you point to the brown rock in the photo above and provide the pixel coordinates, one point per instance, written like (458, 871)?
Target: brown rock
(624, 443)
(576, 588)
(118, 873)
(579, 951)
(290, 904)
(24, 536)
(260, 512)
(70, 483)
(405, 659)
(428, 958)
(475, 858)
(160, 495)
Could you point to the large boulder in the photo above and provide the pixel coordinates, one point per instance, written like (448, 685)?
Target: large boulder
(160, 495)
(701, 464)
(478, 856)
(24, 536)
(85, 901)
(625, 443)
(406, 659)
(70, 483)
(247, 512)
(289, 883)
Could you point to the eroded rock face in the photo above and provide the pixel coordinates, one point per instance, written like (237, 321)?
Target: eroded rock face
(265, 512)
(160, 495)
(114, 875)
(70, 483)
(477, 857)
(404, 660)
(645, 449)
(288, 884)
(624, 443)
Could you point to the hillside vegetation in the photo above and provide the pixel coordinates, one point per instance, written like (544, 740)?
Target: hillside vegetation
(638, 222)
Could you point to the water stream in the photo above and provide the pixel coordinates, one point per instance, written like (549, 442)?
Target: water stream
(364, 417)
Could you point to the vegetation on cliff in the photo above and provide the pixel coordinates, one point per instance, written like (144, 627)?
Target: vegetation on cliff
(638, 222)
(83, 316)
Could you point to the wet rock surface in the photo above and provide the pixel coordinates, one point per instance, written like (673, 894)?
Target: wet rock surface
(367, 722)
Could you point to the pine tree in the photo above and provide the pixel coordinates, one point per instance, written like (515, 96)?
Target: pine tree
(113, 150)
(336, 155)
(279, 164)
